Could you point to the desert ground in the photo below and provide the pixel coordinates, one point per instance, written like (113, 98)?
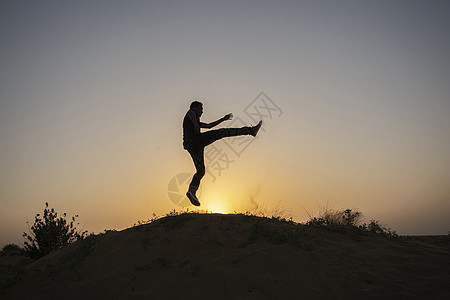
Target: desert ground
(236, 256)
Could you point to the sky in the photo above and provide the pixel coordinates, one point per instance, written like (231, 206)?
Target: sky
(354, 96)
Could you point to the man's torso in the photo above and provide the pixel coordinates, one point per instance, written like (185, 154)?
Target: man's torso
(189, 131)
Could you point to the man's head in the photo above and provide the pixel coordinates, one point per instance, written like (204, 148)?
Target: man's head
(197, 107)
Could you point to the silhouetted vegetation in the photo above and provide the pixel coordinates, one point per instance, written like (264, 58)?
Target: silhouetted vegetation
(11, 249)
(349, 222)
(376, 227)
(330, 218)
(50, 233)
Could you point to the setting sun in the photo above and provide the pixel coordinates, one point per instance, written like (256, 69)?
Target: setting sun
(215, 204)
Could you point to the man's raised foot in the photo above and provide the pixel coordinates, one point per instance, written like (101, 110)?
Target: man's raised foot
(255, 129)
(193, 198)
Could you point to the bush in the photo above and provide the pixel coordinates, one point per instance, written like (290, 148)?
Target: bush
(348, 221)
(336, 218)
(50, 233)
(376, 227)
(11, 249)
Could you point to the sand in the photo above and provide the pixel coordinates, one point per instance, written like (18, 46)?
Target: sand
(213, 256)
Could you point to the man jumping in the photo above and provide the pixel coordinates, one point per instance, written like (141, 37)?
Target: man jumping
(195, 141)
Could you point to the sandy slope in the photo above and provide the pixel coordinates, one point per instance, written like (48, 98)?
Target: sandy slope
(237, 257)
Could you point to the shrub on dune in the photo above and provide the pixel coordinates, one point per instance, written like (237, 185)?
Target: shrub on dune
(50, 233)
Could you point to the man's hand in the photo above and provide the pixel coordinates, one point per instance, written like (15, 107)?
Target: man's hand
(228, 117)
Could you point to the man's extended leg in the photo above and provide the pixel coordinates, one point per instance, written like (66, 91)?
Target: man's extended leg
(211, 136)
(199, 162)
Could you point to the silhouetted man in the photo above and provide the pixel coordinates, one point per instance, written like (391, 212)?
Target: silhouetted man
(195, 141)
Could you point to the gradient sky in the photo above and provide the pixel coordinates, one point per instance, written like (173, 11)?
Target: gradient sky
(92, 96)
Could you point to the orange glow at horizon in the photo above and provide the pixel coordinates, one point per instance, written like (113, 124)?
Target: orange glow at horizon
(213, 202)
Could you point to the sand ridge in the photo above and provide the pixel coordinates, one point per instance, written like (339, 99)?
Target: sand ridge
(214, 256)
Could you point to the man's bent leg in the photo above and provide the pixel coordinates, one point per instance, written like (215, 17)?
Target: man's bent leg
(199, 162)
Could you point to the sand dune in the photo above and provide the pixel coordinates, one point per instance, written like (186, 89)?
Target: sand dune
(213, 256)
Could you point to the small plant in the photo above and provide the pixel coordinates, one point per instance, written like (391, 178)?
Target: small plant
(348, 222)
(11, 249)
(376, 227)
(336, 218)
(50, 233)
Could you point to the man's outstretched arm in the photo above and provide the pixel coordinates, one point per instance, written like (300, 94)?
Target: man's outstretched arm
(215, 123)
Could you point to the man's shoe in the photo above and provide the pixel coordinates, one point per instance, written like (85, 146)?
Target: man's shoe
(193, 198)
(255, 129)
